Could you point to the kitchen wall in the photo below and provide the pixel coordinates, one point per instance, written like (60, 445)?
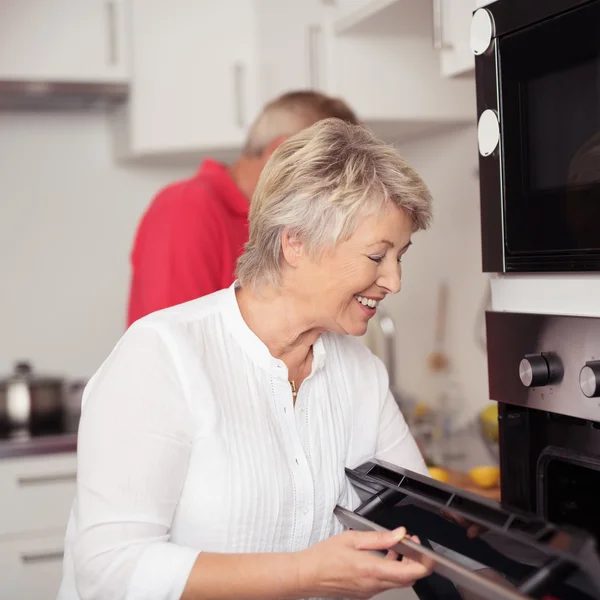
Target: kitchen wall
(67, 217)
(449, 250)
(68, 214)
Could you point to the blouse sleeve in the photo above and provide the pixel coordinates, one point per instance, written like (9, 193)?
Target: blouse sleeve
(133, 451)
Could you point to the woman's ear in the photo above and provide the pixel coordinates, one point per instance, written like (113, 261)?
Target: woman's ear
(292, 248)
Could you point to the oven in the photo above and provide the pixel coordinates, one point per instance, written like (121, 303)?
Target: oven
(537, 71)
(542, 540)
(544, 370)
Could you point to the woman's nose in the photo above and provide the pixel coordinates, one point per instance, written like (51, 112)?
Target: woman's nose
(391, 279)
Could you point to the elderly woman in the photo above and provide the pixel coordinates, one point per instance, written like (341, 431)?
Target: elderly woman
(214, 438)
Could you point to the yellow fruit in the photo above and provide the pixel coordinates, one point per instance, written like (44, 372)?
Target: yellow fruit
(421, 410)
(488, 419)
(485, 477)
(439, 474)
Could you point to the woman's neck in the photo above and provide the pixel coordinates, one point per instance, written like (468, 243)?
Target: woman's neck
(280, 322)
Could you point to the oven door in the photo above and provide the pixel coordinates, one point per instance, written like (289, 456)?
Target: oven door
(547, 87)
(516, 556)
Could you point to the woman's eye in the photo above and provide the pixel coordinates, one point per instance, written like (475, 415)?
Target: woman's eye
(376, 259)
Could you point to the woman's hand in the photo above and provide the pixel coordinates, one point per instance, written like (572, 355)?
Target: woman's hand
(341, 566)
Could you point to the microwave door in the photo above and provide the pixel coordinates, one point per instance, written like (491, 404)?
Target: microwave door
(530, 557)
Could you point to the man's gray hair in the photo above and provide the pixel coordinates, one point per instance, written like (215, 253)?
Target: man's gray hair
(290, 113)
(318, 185)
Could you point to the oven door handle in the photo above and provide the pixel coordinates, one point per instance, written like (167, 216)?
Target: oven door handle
(446, 567)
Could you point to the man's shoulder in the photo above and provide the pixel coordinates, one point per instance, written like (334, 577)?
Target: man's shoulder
(193, 193)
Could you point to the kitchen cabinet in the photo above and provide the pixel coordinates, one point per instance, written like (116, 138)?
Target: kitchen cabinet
(63, 40)
(202, 71)
(293, 46)
(452, 33)
(31, 567)
(37, 493)
(388, 69)
(194, 77)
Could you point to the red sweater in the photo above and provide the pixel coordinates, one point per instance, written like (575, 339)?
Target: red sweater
(188, 241)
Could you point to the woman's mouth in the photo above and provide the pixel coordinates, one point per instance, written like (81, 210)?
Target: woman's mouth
(367, 302)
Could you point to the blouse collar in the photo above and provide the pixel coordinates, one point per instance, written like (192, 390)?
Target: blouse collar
(256, 350)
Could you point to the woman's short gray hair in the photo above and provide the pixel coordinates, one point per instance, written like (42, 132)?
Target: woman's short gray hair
(317, 185)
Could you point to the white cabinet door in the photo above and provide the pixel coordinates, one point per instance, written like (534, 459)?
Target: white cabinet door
(193, 75)
(388, 70)
(31, 568)
(36, 493)
(292, 46)
(63, 40)
(453, 26)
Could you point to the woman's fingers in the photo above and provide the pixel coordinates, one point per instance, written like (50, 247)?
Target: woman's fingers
(378, 540)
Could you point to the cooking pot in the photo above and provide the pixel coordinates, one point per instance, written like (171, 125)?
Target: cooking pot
(30, 403)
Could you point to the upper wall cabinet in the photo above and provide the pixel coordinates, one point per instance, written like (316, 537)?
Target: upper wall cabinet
(388, 68)
(194, 77)
(202, 70)
(63, 40)
(292, 46)
(451, 35)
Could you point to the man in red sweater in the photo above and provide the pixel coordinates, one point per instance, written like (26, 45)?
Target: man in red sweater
(190, 237)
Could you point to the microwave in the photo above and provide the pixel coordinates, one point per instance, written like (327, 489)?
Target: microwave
(537, 70)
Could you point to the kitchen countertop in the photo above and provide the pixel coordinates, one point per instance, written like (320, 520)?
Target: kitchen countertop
(38, 445)
(462, 480)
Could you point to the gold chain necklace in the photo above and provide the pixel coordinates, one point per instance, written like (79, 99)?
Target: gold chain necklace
(294, 391)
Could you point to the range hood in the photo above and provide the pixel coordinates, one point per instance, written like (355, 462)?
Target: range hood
(58, 95)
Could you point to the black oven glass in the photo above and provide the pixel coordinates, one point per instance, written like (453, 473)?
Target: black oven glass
(571, 494)
(550, 115)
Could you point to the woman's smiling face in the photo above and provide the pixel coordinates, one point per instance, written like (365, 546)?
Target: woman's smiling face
(343, 287)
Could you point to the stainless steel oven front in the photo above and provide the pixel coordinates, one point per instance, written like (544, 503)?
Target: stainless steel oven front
(537, 71)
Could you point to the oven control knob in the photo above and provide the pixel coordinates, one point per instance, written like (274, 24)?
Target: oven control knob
(534, 371)
(589, 379)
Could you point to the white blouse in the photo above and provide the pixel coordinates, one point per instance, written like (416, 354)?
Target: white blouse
(189, 441)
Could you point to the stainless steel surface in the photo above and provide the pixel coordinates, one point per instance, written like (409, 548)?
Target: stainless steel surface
(56, 95)
(32, 401)
(438, 27)
(238, 85)
(568, 343)
(446, 567)
(533, 370)
(38, 446)
(589, 379)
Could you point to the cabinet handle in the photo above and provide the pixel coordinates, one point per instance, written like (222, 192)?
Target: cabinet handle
(111, 21)
(32, 480)
(238, 87)
(313, 34)
(38, 557)
(438, 27)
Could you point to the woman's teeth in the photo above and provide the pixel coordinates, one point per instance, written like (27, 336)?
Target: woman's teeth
(367, 301)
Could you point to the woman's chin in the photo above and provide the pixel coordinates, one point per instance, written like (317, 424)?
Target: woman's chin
(357, 328)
